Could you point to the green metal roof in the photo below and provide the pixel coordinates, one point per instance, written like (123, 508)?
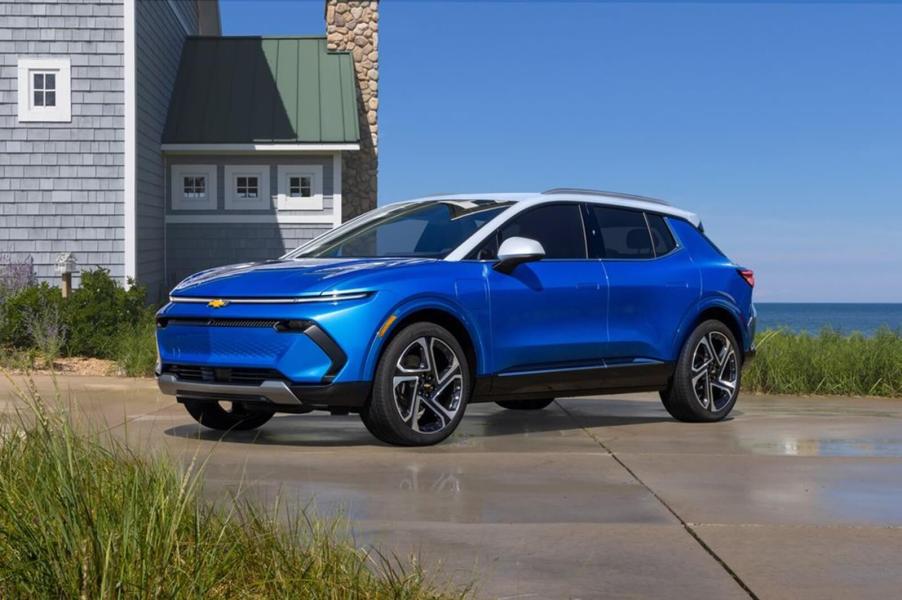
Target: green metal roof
(262, 90)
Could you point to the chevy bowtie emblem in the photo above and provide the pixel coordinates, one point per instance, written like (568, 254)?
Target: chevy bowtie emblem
(217, 303)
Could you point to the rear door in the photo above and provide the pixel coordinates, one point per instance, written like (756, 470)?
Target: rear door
(548, 315)
(652, 283)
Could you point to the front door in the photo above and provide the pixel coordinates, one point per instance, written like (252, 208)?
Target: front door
(548, 316)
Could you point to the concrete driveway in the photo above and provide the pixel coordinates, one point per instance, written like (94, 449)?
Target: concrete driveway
(791, 498)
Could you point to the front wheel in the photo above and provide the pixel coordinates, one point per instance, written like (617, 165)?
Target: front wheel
(226, 416)
(706, 380)
(420, 389)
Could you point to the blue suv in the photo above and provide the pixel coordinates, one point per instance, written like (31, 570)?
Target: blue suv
(412, 311)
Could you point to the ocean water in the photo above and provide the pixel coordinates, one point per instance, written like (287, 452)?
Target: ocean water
(866, 318)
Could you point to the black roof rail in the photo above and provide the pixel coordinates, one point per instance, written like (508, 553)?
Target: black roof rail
(588, 192)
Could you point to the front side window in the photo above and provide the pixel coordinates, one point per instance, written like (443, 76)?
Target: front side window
(621, 233)
(558, 227)
(44, 89)
(246, 187)
(195, 186)
(426, 230)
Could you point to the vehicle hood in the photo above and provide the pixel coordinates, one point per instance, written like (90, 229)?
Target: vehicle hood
(284, 278)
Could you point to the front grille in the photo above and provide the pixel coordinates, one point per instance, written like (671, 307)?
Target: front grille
(214, 322)
(238, 375)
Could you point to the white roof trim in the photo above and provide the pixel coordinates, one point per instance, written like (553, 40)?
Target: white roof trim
(259, 147)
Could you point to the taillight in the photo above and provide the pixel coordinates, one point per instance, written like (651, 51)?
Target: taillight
(748, 275)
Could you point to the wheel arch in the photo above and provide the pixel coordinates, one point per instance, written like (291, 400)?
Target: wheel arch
(439, 314)
(718, 311)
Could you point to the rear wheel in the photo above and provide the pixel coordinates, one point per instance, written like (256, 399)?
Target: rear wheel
(705, 384)
(420, 389)
(532, 404)
(227, 416)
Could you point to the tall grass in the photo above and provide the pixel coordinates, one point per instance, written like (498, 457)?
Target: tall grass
(827, 363)
(85, 519)
(136, 350)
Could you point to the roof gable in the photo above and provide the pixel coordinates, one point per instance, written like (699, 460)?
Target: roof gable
(262, 90)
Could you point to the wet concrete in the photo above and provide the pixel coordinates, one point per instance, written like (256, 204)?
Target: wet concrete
(791, 498)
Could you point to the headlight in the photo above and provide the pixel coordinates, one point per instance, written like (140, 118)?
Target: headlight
(324, 297)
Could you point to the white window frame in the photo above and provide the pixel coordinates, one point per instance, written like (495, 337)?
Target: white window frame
(314, 201)
(179, 201)
(263, 201)
(61, 68)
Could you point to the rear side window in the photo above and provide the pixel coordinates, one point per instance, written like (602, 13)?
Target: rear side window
(558, 227)
(661, 238)
(622, 233)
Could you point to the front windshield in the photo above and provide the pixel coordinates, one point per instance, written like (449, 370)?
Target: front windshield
(422, 229)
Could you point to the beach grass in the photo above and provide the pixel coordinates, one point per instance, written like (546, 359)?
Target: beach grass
(826, 363)
(84, 516)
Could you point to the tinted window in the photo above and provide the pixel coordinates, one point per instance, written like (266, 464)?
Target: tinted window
(661, 237)
(558, 227)
(623, 233)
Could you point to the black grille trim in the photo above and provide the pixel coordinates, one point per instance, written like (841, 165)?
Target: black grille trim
(237, 375)
(216, 322)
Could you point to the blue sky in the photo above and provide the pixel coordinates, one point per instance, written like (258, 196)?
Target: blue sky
(779, 123)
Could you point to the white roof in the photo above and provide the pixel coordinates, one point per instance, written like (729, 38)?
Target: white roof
(588, 196)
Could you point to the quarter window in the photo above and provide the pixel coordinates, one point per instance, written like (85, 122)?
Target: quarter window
(558, 227)
(621, 233)
(246, 187)
(661, 237)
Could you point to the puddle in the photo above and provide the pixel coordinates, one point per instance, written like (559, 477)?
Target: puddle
(827, 447)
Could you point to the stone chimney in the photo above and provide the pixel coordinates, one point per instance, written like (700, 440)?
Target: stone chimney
(353, 26)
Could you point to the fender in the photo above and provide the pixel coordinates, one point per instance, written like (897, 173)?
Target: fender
(424, 302)
(717, 300)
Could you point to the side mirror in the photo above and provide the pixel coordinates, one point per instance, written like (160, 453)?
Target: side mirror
(515, 251)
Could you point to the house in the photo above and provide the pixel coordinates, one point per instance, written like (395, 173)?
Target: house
(137, 137)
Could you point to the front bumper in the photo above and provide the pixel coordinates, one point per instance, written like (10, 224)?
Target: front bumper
(276, 394)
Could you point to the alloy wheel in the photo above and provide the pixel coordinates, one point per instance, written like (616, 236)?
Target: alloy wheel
(427, 385)
(715, 371)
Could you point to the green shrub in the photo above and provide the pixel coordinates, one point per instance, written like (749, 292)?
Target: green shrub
(83, 516)
(20, 307)
(136, 352)
(827, 363)
(98, 310)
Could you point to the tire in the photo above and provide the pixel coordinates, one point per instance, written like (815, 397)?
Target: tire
(420, 389)
(532, 404)
(707, 377)
(237, 418)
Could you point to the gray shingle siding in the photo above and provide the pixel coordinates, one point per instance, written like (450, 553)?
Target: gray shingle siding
(159, 36)
(61, 184)
(193, 247)
(187, 11)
